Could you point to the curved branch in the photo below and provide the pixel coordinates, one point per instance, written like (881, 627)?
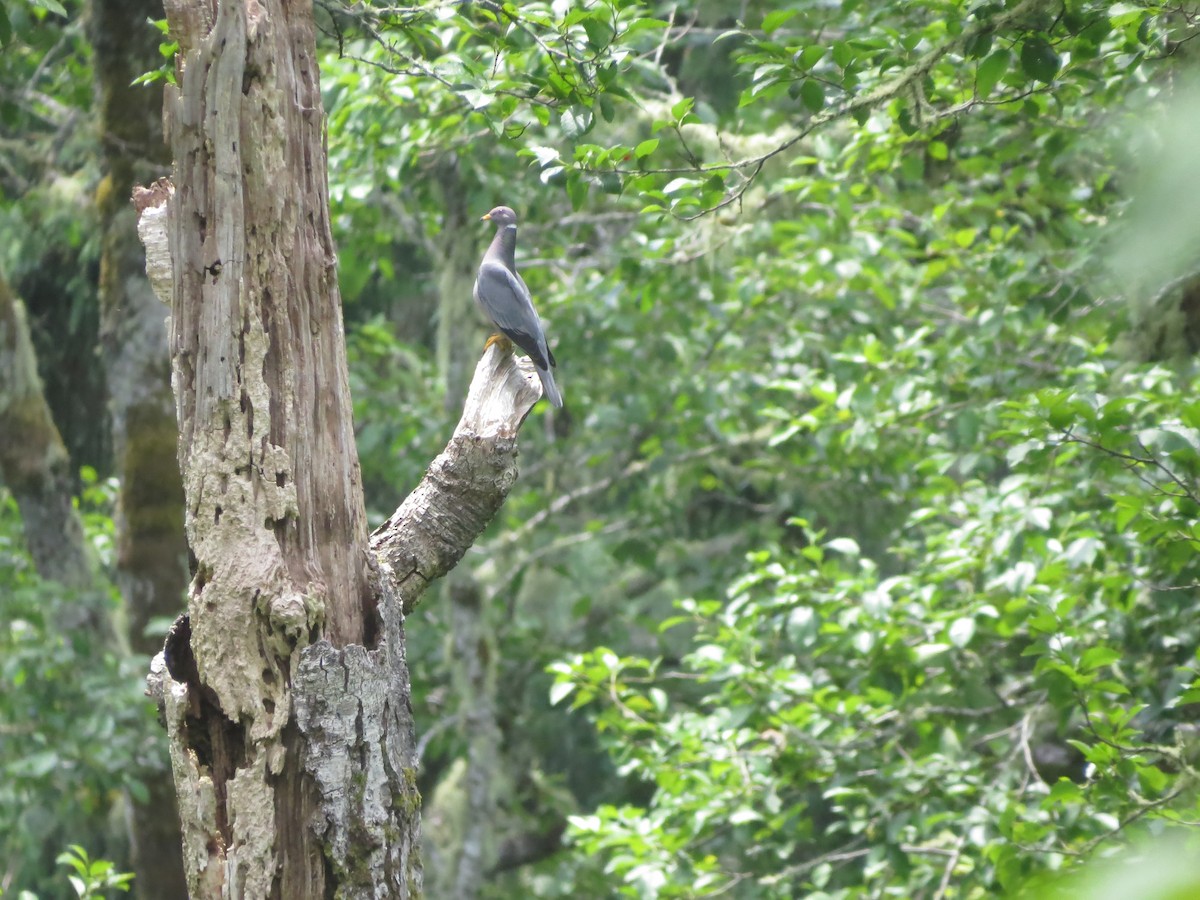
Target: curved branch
(462, 489)
(465, 486)
(883, 93)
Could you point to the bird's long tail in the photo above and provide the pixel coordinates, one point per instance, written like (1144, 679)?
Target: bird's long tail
(549, 388)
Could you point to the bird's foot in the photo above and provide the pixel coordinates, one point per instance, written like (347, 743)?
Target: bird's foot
(501, 341)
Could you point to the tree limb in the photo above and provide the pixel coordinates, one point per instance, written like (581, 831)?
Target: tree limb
(465, 486)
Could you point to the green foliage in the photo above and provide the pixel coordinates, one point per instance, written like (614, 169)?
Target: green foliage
(20, 16)
(93, 877)
(384, 370)
(862, 559)
(49, 245)
(77, 731)
(840, 350)
(45, 66)
(168, 48)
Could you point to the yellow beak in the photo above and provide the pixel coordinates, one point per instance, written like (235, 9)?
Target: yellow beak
(486, 217)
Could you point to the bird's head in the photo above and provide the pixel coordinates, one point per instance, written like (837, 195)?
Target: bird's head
(501, 216)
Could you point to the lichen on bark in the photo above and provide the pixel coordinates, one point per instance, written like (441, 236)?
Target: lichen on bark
(285, 689)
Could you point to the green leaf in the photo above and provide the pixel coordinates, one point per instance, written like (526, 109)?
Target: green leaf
(811, 55)
(926, 652)
(844, 545)
(812, 92)
(577, 190)
(979, 45)
(1145, 30)
(5, 27)
(961, 631)
(1082, 552)
(560, 690)
(645, 25)
(50, 6)
(1097, 657)
(1153, 779)
(1039, 59)
(990, 71)
(645, 148)
(599, 34)
(1065, 792)
(675, 185)
(607, 107)
(743, 815)
(772, 20)
(544, 155)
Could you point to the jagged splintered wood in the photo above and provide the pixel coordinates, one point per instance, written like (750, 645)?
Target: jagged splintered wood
(465, 486)
(284, 689)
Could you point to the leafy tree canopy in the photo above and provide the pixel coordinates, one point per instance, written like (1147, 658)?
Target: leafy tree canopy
(871, 508)
(860, 562)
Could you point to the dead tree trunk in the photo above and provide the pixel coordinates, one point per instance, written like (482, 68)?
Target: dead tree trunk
(285, 691)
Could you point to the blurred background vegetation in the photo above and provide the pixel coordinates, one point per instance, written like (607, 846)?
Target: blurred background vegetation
(863, 560)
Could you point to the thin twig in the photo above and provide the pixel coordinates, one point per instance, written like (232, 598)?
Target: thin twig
(944, 884)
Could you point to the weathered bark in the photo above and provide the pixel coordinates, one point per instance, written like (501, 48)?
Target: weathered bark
(285, 690)
(274, 510)
(151, 570)
(352, 704)
(466, 485)
(34, 463)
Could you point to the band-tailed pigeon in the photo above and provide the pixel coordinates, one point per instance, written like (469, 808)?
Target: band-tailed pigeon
(502, 295)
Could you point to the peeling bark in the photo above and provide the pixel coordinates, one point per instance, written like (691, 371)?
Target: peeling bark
(274, 509)
(466, 485)
(352, 705)
(285, 690)
(353, 708)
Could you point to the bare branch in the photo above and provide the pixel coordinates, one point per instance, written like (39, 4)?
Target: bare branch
(466, 485)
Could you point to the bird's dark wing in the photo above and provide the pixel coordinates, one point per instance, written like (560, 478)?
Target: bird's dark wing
(525, 289)
(506, 300)
(521, 281)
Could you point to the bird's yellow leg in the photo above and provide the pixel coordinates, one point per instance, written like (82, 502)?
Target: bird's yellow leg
(504, 343)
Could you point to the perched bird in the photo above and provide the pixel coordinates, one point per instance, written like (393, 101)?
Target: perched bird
(503, 297)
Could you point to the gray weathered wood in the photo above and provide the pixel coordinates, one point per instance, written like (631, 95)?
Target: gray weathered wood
(274, 510)
(285, 690)
(465, 486)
